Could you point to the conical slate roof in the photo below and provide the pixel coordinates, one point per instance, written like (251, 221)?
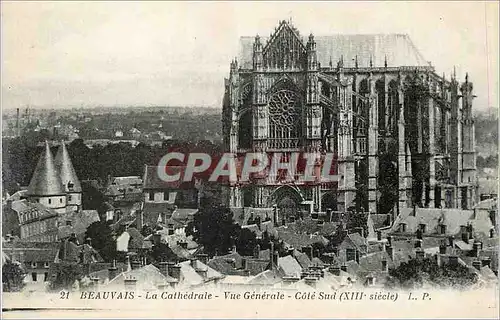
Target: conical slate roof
(45, 180)
(66, 170)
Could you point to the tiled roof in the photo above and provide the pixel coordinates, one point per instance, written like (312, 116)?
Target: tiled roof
(148, 277)
(31, 251)
(452, 218)
(80, 220)
(267, 277)
(66, 170)
(398, 48)
(302, 259)
(151, 180)
(197, 274)
(24, 206)
(289, 266)
(45, 180)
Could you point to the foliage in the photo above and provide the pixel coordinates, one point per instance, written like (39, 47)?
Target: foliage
(102, 239)
(414, 273)
(12, 276)
(213, 228)
(162, 252)
(147, 230)
(246, 242)
(66, 275)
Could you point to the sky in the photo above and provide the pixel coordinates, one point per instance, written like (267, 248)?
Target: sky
(79, 54)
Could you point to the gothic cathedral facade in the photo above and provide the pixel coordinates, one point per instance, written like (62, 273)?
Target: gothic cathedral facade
(403, 135)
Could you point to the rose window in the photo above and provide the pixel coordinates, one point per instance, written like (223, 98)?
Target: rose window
(284, 115)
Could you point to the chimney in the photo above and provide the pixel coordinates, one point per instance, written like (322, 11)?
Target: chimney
(465, 236)
(420, 254)
(308, 250)
(256, 251)
(334, 270)
(470, 231)
(329, 215)
(477, 264)
(476, 248)
(244, 263)
(135, 264)
(492, 232)
(192, 261)
(112, 271)
(486, 262)
(175, 271)
(453, 260)
(419, 234)
(389, 240)
(203, 258)
(156, 239)
(183, 244)
(233, 249)
(130, 283)
(418, 243)
(343, 268)
(275, 259)
(357, 254)
(390, 251)
(385, 266)
(451, 241)
(164, 269)
(442, 248)
(379, 235)
(139, 219)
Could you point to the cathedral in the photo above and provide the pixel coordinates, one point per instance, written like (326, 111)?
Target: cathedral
(402, 134)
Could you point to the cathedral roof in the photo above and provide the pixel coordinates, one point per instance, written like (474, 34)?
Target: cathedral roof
(45, 180)
(397, 48)
(66, 169)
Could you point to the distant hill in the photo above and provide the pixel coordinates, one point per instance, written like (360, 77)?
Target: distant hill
(486, 123)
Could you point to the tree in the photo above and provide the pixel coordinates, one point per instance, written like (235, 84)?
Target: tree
(66, 275)
(12, 276)
(246, 242)
(213, 227)
(414, 273)
(102, 239)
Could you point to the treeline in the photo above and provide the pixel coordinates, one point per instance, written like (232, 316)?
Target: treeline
(19, 158)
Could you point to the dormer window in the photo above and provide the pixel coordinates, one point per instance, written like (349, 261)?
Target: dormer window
(70, 186)
(68, 223)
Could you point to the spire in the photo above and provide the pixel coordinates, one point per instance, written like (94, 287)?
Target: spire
(66, 170)
(356, 62)
(466, 77)
(371, 61)
(45, 180)
(331, 64)
(385, 61)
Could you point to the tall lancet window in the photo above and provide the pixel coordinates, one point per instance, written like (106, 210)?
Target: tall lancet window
(284, 119)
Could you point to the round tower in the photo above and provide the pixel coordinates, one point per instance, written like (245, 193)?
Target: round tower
(69, 179)
(45, 186)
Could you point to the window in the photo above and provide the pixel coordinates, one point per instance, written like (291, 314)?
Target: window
(422, 227)
(350, 254)
(46, 276)
(33, 276)
(50, 201)
(60, 200)
(165, 195)
(402, 227)
(442, 228)
(151, 196)
(46, 265)
(69, 198)
(33, 265)
(68, 222)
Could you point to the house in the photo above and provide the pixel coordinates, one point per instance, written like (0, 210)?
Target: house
(36, 258)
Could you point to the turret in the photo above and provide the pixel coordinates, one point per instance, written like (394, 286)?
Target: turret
(257, 54)
(312, 58)
(69, 179)
(45, 186)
